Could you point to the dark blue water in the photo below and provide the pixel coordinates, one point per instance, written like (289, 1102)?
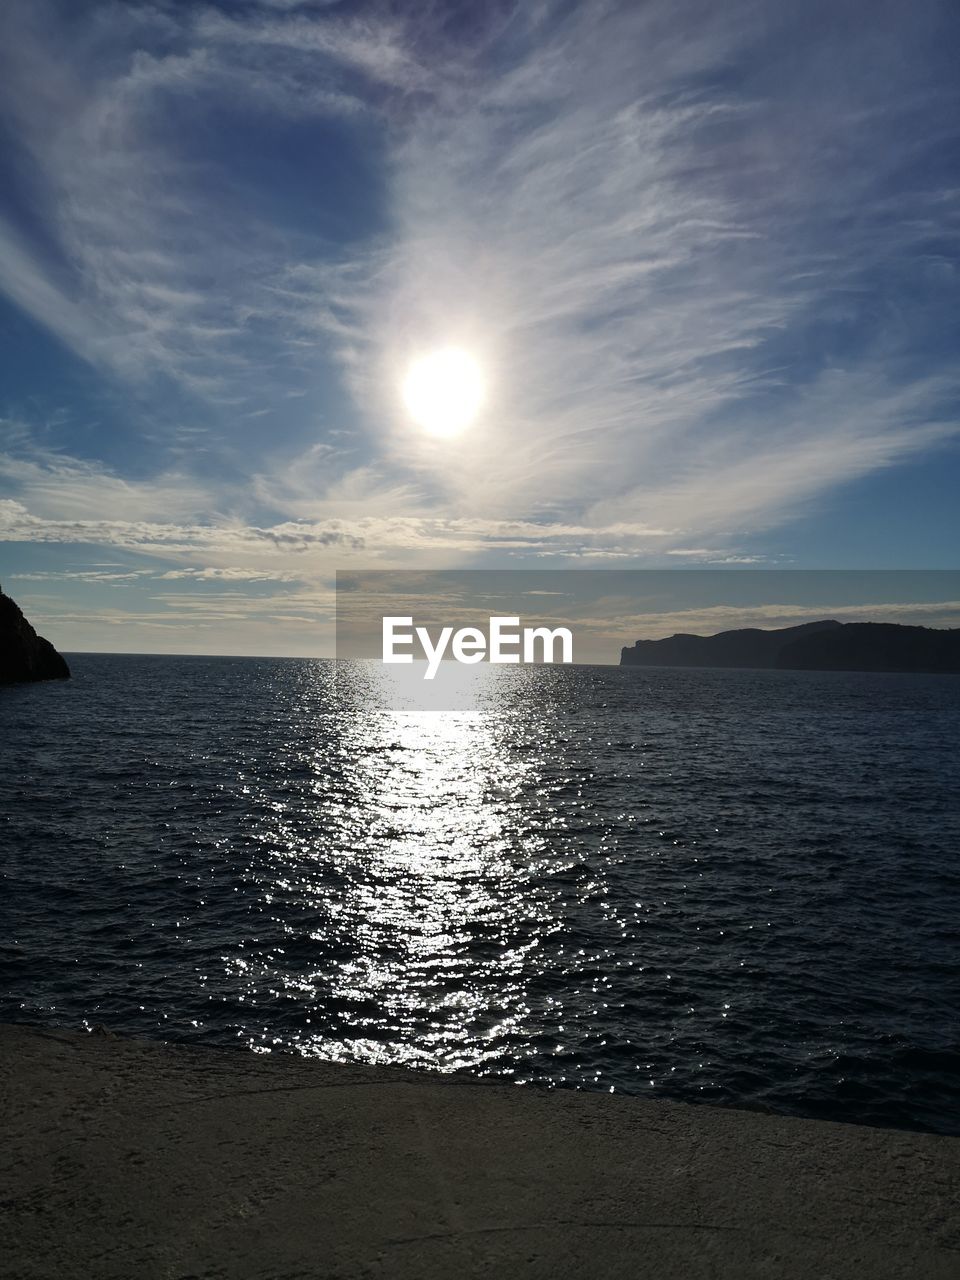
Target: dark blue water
(722, 886)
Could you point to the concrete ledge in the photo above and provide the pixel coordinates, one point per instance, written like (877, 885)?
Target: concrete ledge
(121, 1158)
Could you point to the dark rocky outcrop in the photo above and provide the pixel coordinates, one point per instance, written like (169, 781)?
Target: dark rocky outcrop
(875, 646)
(23, 654)
(814, 646)
(748, 648)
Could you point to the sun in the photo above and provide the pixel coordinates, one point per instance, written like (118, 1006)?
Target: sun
(444, 391)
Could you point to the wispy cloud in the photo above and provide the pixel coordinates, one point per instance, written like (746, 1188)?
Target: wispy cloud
(634, 257)
(373, 536)
(142, 258)
(230, 573)
(62, 489)
(706, 257)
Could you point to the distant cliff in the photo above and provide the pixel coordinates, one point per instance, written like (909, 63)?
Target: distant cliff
(23, 654)
(814, 646)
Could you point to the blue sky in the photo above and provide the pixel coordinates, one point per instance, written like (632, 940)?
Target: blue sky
(706, 256)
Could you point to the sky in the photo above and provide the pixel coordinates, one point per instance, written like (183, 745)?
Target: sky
(606, 609)
(705, 256)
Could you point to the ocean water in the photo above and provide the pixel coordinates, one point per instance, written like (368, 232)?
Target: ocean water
(733, 887)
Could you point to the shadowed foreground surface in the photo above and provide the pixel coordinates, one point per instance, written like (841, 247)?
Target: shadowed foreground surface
(123, 1158)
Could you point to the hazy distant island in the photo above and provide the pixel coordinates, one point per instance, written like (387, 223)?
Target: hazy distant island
(23, 654)
(813, 646)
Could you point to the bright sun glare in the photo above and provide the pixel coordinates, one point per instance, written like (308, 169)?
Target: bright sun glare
(443, 391)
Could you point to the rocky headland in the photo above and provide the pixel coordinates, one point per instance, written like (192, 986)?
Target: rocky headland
(23, 654)
(814, 646)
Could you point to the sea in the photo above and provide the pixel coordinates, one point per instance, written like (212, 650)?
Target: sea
(730, 887)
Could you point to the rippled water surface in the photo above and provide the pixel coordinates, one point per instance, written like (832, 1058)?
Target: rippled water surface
(729, 886)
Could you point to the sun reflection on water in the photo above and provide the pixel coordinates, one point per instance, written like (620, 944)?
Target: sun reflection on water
(419, 875)
(578, 876)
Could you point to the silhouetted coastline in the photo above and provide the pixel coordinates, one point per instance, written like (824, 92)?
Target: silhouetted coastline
(24, 655)
(827, 645)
